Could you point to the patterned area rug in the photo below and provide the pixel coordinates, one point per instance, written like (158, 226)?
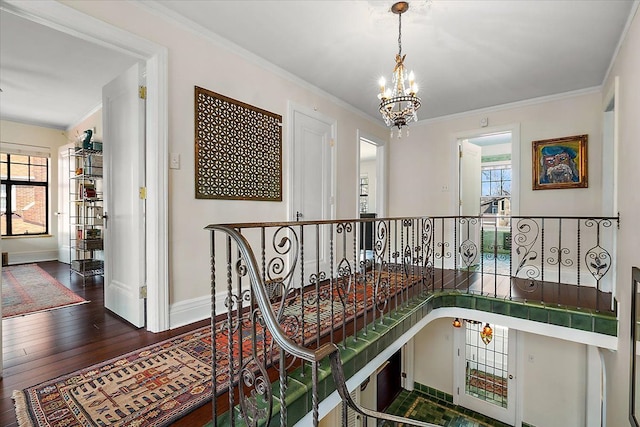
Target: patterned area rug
(152, 386)
(159, 384)
(29, 289)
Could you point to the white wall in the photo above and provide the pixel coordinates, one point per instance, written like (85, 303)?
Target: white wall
(627, 68)
(426, 158)
(197, 60)
(36, 248)
(433, 358)
(554, 383)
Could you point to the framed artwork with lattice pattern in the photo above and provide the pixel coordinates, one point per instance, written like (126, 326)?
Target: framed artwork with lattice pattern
(238, 149)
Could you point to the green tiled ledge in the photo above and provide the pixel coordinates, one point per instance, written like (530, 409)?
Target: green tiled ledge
(584, 320)
(367, 346)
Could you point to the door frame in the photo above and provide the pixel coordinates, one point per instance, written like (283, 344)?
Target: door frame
(516, 169)
(71, 21)
(381, 178)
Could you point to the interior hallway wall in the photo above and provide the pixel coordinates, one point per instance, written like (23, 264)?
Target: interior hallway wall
(426, 157)
(197, 60)
(627, 69)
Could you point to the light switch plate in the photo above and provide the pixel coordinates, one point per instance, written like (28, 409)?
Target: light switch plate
(174, 161)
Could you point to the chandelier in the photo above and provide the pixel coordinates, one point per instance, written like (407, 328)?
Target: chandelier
(398, 104)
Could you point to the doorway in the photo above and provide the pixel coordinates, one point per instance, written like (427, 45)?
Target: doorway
(488, 172)
(370, 190)
(312, 180)
(485, 369)
(71, 21)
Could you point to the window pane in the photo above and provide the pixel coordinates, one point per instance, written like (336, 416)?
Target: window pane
(29, 210)
(19, 171)
(486, 175)
(3, 172)
(506, 174)
(495, 188)
(17, 158)
(495, 175)
(486, 189)
(38, 173)
(39, 161)
(506, 188)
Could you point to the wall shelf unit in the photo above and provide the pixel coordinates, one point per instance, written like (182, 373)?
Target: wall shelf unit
(86, 212)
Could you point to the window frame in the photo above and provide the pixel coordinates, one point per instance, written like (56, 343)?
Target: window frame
(9, 182)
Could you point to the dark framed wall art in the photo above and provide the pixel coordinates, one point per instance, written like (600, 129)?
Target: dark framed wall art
(238, 149)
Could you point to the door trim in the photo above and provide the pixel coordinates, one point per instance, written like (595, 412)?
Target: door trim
(293, 108)
(86, 27)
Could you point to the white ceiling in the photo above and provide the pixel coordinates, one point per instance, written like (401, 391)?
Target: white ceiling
(466, 54)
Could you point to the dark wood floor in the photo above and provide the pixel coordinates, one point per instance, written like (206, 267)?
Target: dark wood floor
(42, 346)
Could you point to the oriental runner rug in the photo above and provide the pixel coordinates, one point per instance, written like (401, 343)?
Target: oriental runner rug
(29, 289)
(158, 384)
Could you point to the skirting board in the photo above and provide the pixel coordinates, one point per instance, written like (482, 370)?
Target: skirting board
(28, 257)
(185, 312)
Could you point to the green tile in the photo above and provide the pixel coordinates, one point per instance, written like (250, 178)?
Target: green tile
(519, 310)
(448, 301)
(559, 317)
(581, 321)
(500, 307)
(539, 314)
(607, 326)
(465, 301)
(483, 304)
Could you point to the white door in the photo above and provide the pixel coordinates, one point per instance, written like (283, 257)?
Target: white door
(64, 254)
(312, 185)
(470, 170)
(485, 374)
(124, 145)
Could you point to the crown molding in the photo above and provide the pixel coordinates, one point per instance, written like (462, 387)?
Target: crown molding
(512, 105)
(164, 12)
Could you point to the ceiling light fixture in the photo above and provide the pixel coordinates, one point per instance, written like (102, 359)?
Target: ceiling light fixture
(457, 323)
(486, 334)
(398, 104)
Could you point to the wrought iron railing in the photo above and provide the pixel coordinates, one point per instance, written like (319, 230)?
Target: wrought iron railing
(286, 295)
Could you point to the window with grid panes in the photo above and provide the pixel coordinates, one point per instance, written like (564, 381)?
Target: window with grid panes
(25, 195)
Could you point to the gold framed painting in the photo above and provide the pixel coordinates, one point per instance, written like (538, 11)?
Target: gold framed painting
(560, 163)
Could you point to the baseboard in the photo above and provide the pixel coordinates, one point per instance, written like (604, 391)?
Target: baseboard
(186, 312)
(29, 257)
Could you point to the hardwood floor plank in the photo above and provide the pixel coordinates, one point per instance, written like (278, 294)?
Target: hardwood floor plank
(42, 346)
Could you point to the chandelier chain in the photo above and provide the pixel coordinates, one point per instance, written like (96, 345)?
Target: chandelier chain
(400, 34)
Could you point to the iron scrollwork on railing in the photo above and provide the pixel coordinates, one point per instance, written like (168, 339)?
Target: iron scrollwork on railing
(525, 238)
(273, 325)
(598, 259)
(468, 248)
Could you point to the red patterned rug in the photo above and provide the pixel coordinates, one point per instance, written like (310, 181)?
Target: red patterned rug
(156, 385)
(29, 289)
(151, 386)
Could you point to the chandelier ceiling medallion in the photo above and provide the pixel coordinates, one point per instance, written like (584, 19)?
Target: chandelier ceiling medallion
(398, 104)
